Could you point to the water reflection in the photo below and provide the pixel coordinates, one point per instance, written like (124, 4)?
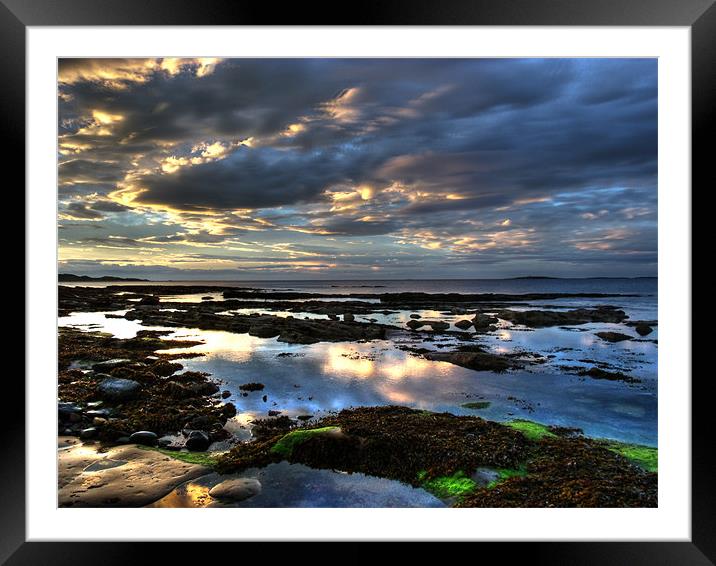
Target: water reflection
(295, 485)
(318, 378)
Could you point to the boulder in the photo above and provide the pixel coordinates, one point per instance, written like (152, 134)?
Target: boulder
(229, 410)
(236, 489)
(348, 317)
(613, 336)
(197, 441)
(483, 320)
(463, 324)
(479, 361)
(118, 389)
(643, 329)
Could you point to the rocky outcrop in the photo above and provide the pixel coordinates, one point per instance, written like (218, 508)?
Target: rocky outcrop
(614, 336)
(543, 318)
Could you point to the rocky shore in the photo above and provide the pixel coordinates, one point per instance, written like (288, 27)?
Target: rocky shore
(117, 394)
(121, 391)
(531, 465)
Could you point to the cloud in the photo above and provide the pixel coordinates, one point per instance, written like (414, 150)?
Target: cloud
(462, 159)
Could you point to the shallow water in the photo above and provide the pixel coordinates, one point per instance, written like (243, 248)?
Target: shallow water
(319, 378)
(295, 485)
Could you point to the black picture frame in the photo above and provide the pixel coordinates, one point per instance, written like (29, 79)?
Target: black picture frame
(699, 15)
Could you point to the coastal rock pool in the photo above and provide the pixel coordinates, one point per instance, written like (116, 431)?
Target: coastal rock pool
(295, 485)
(313, 380)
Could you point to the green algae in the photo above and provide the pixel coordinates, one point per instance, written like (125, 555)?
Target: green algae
(200, 458)
(288, 442)
(646, 457)
(446, 487)
(531, 429)
(505, 474)
(476, 405)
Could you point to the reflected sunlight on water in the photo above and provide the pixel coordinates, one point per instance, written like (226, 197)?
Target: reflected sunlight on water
(317, 378)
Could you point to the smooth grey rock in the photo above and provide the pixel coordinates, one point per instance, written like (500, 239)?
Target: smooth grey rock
(118, 389)
(236, 489)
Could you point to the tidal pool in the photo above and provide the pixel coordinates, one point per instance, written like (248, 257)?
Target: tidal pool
(296, 485)
(312, 380)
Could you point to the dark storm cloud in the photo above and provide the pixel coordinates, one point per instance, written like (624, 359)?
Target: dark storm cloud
(498, 133)
(247, 179)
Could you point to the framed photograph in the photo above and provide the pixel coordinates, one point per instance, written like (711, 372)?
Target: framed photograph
(419, 275)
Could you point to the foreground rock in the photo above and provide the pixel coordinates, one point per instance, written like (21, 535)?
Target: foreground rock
(124, 476)
(536, 467)
(142, 393)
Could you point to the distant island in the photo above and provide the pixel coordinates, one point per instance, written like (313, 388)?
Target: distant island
(66, 277)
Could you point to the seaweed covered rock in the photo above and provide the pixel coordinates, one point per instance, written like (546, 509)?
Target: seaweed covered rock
(394, 442)
(643, 329)
(528, 465)
(571, 472)
(598, 373)
(474, 357)
(613, 336)
(542, 318)
(148, 402)
(285, 329)
(483, 321)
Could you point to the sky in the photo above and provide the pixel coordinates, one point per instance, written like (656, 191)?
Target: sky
(357, 168)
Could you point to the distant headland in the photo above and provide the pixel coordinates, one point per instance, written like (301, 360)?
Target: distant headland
(68, 277)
